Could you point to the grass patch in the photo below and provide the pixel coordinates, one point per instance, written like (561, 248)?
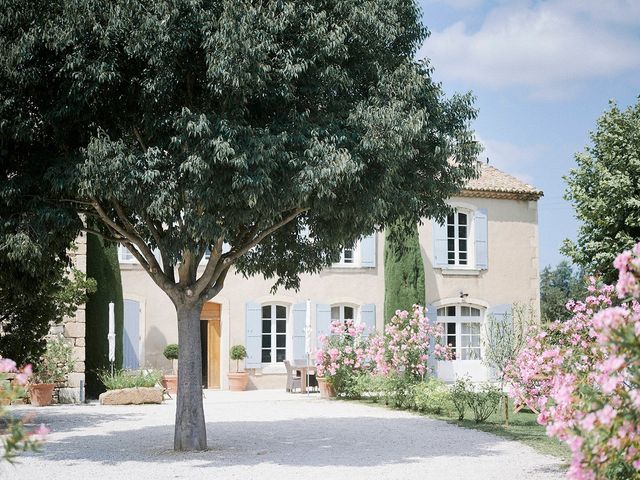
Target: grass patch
(523, 427)
(129, 379)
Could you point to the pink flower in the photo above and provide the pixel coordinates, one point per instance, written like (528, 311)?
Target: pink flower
(40, 434)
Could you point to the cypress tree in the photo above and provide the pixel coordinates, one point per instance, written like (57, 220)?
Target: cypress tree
(103, 266)
(403, 270)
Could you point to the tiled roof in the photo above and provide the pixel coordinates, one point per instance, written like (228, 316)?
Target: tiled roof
(494, 183)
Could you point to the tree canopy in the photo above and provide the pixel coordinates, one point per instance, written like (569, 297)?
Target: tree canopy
(605, 191)
(284, 129)
(557, 286)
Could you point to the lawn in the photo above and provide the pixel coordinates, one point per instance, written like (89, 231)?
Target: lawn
(523, 427)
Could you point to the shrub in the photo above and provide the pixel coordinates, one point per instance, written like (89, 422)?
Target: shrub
(432, 396)
(459, 395)
(128, 379)
(484, 401)
(369, 386)
(171, 351)
(237, 353)
(342, 356)
(56, 363)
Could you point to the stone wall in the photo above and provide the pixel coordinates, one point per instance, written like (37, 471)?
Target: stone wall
(73, 330)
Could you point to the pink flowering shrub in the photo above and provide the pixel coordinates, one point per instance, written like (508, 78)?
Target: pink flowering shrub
(15, 438)
(343, 355)
(408, 341)
(584, 377)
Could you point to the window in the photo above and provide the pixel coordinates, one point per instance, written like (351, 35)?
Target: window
(343, 313)
(124, 255)
(274, 333)
(458, 238)
(462, 330)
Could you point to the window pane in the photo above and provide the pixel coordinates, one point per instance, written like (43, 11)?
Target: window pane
(335, 313)
(348, 255)
(281, 326)
(451, 231)
(281, 341)
(348, 313)
(463, 245)
(451, 244)
(451, 311)
(465, 341)
(475, 341)
(266, 311)
(475, 312)
(280, 355)
(266, 341)
(266, 356)
(474, 328)
(462, 219)
(281, 312)
(441, 312)
(466, 328)
(450, 219)
(451, 340)
(266, 326)
(451, 328)
(465, 311)
(462, 232)
(451, 261)
(463, 261)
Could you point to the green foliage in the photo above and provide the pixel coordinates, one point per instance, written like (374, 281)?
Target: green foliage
(484, 401)
(237, 353)
(460, 392)
(29, 305)
(103, 266)
(368, 386)
(127, 379)
(432, 396)
(171, 351)
(603, 189)
(557, 286)
(403, 270)
(55, 364)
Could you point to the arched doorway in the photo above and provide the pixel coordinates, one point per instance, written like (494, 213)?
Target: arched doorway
(210, 341)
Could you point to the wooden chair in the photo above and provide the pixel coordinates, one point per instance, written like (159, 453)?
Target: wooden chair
(293, 379)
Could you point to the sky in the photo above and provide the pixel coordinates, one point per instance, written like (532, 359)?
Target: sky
(542, 73)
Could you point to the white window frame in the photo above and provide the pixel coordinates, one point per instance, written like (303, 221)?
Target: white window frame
(458, 320)
(357, 260)
(471, 244)
(341, 306)
(274, 334)
(124, 255)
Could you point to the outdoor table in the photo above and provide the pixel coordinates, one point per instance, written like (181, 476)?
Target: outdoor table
(304, 371)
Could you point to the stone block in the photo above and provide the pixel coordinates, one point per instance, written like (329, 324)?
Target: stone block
(79, 367)
(81, 315)
(74, 330)
(80, 342)
(131, 396)
(74, 379)
(78, 354)
(69, 395)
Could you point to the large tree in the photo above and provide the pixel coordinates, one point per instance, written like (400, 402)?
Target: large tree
(605, 191)
(557, 286)
(285, 129)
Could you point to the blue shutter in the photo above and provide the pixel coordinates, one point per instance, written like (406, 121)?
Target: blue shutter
(368, 317)
(481, 228)
(323, 320)
(501, 312)
(368, 251)
(299, 321)
(253, 340)
(440, 258)
(432, 315)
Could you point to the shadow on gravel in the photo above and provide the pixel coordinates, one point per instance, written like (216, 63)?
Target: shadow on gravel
(351, 441)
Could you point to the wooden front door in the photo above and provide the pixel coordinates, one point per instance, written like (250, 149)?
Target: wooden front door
(210, 336)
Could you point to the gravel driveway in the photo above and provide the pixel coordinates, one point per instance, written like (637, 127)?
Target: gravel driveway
(272, 435)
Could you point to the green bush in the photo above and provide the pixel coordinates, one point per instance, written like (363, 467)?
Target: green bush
(484, 401)
(128, 379)
(55, 364)
(460, 395)
(432, 396)
(368, 386)
(171, 351)
(398, 390)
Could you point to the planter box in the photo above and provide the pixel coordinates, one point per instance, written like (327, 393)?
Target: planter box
(131, 396)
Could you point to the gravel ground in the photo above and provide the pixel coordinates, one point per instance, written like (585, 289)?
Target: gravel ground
(272, 435)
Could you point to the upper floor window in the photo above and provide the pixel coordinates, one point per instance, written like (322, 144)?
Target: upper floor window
(462, 330)
(124, 255)
(348, 256)
(274, 333)
(458, 238)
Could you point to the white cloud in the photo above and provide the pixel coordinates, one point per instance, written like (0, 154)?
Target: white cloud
(549, 47)
(459, 4)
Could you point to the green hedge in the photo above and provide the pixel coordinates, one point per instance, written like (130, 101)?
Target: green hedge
(103, 266)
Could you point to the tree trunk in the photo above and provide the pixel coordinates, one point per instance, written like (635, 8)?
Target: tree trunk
(190, 428)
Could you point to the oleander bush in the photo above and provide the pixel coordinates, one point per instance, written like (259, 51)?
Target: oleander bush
(129, 379)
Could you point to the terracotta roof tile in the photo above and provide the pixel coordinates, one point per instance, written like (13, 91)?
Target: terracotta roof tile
(494, 183)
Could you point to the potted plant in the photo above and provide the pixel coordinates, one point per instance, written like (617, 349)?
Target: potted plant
(54, 366)
(238, 381)
(170, 382)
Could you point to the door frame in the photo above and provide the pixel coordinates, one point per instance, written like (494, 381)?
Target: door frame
(211, 346)
(141, 327)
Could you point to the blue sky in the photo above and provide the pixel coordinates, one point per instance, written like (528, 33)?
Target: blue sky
(542, 72)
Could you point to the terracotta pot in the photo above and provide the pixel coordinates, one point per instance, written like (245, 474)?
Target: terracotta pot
(238, 381)
(170, 383)
(41, 394)
(326, 388)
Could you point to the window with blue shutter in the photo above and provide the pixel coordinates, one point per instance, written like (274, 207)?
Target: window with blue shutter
(253, 335)
(481, 240)
(368, 317)
(323, 320)
(439, 244)
(299, 323)
(368, 251)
